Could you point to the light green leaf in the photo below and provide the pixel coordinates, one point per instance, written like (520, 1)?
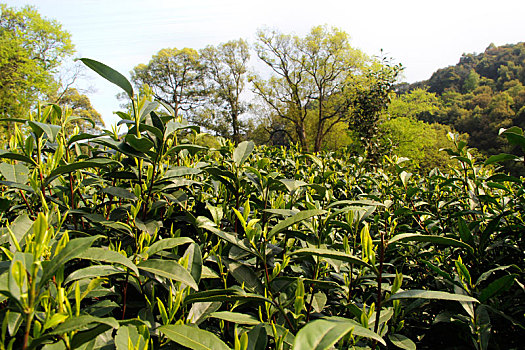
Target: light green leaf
(430, 294)
(242, 152)
(193, 338)
(15, 172)
(322, 334)
(235, 317)
(402, 342)
(168, 269)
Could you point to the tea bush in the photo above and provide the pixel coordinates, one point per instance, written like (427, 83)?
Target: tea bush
(147, 240)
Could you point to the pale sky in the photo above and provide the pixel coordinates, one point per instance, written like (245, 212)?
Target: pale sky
(422, 35)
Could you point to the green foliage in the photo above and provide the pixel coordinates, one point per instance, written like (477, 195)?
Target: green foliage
(249, 247)
(31, 49)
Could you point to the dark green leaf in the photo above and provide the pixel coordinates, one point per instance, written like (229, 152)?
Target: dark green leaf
(302, 215)
(331, 254)
(168, 269)
(167, 243)
(88, 164)
(414, 237)
(500, 285)
(109, 74)
(72, 250)
(108, 256)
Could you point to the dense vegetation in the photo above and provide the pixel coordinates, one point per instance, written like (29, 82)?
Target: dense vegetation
(149, 240)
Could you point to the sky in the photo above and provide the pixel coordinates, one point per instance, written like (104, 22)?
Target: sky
(422, 35)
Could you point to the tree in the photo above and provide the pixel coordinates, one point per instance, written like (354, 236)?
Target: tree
(320, 80)
(176, 78)
(226, 69)
(286, 92)
(31, 50)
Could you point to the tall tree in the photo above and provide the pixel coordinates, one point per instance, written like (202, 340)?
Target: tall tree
(315, 80)
(175, 76)
(226, 68)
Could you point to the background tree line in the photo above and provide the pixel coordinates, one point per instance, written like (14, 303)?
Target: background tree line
(314, 90)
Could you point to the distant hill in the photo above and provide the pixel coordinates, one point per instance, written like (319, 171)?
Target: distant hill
(481, 94)
(494, 67)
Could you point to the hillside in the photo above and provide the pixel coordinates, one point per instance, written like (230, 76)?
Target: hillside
(481, 94)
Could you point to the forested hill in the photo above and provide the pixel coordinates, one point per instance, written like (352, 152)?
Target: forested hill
(479, 95)
(496, 67)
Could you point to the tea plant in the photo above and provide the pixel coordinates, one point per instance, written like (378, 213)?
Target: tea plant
(146, 240)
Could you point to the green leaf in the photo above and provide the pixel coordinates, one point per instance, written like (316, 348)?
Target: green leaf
(402, 342)
(128, 337)
(193, 338)
(242, 152)
(244, 275)
(181, 171)
(236, 317)
(168, 269)
(193, 252)
(231, 238)
(109, 74)
(322, 334)
(141, 144)
(302, 215)
(72, 250)
(228, 295)
(16, 156)
(167, 243)
(289, 338)
(81, 137)
(414, 237)
(108, 256)
(93, 272)
(119, 192)
(430, 294)
(50, 130)
(500, 158)
(88, 164)
(258, 338)
(18, 173)
(496, 287)
(331, 254)
(79, 322)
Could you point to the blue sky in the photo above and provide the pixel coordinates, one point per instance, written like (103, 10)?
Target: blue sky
(422, 35)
